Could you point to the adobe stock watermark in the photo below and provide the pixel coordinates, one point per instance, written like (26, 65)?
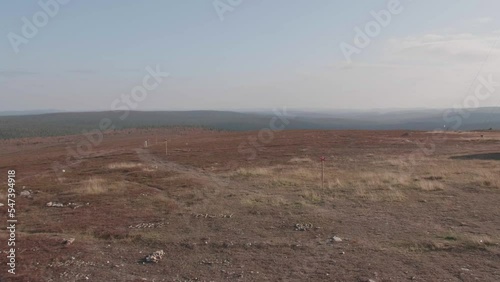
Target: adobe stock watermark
(31, 27)
(124, 104)
(364, 36)
(223, 6)
(485, 88)
(255, 144)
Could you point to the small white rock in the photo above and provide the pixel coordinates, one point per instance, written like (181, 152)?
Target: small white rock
(336, 239)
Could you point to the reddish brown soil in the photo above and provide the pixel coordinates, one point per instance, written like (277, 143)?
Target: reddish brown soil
(427, 236)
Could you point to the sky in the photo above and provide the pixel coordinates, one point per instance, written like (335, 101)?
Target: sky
(248, 54)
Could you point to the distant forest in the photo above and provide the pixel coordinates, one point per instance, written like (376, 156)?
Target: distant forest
(57, 124)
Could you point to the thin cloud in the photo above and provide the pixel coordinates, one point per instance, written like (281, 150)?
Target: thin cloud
(448, 48)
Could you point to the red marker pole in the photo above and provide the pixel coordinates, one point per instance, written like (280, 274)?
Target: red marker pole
(322, 159)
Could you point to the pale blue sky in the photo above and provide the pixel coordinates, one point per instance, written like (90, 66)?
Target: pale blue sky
(264, 54)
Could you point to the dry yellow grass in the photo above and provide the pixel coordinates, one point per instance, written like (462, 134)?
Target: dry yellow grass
(303, 173)
(473, 239)
(279, 175)
(380, 183)
(96, 185)
(372, 186)
(274, 201)
(487, 178)
(300, 160)
(380, 186)
(427, 185)
(312, 196)
(382, 179)
(150, 168)
(288, 171)
(390, 194)
(248, 172)
(124, 165)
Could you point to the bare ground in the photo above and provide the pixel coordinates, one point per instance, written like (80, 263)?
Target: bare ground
(417, 206)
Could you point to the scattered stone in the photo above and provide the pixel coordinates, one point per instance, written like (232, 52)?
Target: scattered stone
(68, 242)
(76, 205)
(26, 194)
(154, 257)
(147, 225)
(206, 215)
(333, 240)
(55, 204)
(303, 227)
(336, 239)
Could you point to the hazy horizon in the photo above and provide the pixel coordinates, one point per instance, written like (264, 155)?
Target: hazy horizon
(312, 110)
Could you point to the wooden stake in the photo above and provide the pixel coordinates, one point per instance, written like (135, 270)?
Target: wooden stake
(166, 148)
(323, 159)
(322, 175)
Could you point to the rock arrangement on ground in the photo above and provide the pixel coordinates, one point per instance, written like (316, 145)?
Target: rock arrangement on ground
(147, 225)
(206, 215)
(76, 205)
(70, 205)
(303, 227)
(26, 193)
(154, 257)
(55, 204)
(68, 242)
